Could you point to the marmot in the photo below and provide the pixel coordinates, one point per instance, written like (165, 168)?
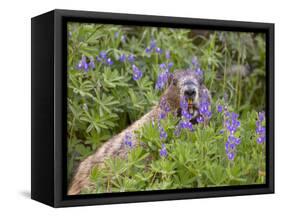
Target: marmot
(182, 83)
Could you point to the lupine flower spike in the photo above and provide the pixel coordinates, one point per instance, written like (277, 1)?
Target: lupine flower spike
(122, 58)
(260, 128)
(168, 55)
(164, 76)
(204, 108)
(137, 73)
(152, 47)
(163, 151)
(231, 124)
(185, 118)
(196, 66)
(165, 108)
(84, 65)
(131, 58)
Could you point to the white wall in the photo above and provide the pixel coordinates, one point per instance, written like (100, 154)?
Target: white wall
(15, 106)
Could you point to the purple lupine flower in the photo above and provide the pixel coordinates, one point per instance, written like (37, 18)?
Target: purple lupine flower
(163, 134)
(102, 57)
(231, 156)
(261, 116)
(204, 106)
(220, 108)
(148, 50)
(163, 151)
(186, 114)
(86, 67)
(183, 103)
(170, 65)
(196, 66)
(198, 71)
(128, 140)
(165, 108)
(162, 66)
(194, 62)
(230, 146)
(200, 119)
(227, 113)
(232, 124)
(152, 44)
(91, 63)
(261, 140)
(162, 80)
(151, 47)
(158, 50)
(102, 54)
(260, 128)
(83, 65)
(162, 115)
(185, 118)
(166, 67)
(186, 124)
(184, 109)
(204, 110)
(233, 140)
(116, 34)
(137, 73)
(177, 131)
(122, 58)
(168, 54)
(131, 58)
(109, 61)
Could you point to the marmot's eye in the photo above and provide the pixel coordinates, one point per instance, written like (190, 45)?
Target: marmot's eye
(175, 81)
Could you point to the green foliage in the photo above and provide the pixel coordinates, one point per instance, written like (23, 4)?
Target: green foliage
(104, 100)
(195, 159)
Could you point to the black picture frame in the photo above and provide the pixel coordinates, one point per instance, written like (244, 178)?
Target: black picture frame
(48, 108)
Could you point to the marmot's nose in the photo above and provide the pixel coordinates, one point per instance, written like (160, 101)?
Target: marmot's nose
(189, 92)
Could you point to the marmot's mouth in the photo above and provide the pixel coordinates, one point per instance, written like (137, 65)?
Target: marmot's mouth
(190, 105)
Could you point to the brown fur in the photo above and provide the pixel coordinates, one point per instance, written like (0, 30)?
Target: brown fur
(115, 146)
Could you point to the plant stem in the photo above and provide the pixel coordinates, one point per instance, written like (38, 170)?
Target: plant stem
(225, 65)
(238, 79)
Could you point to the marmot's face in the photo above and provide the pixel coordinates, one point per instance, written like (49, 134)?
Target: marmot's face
(188, 85)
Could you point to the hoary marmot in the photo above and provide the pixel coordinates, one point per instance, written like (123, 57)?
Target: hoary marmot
(182, 84)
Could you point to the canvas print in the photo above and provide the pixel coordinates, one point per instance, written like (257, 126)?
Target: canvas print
(154, 108)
